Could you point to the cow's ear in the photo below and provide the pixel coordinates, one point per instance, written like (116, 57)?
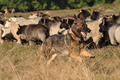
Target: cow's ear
(18, 26)
(75, 17)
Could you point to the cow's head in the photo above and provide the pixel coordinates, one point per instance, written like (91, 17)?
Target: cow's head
(83, 12)
(20, 29)
(95, 15)
(106, 23)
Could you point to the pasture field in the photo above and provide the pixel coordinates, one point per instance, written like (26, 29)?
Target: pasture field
(20, 62)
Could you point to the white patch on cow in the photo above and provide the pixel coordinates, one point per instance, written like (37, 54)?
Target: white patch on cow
(11, 27)
(5, 31)
(55, 28)
(33, 15)
(28, 21)
(13, 19)
(7, 24)
(94, 27)
(111, 32)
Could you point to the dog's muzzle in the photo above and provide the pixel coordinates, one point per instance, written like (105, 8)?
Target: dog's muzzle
(88, 30)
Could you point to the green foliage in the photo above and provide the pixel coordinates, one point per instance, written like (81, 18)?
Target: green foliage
(44, 5)
(36, 4)
(53, 6)
(99, 2)
(23, 5)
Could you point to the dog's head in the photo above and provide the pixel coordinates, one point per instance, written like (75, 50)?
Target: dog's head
(80, 28)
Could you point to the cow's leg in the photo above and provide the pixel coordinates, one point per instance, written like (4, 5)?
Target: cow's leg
(76, 57)
(42, 37)
(83, 52)
(1, 40)
(96, 40)
(30, 43)
(18, 40)
(5, 31)
(17, 37)
(112, 37)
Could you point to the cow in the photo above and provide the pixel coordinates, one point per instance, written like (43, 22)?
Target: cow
(96, 15)
(24, 21)
(15, 18)
(34, 32)
(84, 14)
(34, 15)
(1, 31)
(11, 28)
(95, 34)
(55, 24)
(113, 18)
(111, 29)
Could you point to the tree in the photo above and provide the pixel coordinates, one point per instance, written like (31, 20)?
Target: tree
(29, 5)
(24, 6)
(36, 5)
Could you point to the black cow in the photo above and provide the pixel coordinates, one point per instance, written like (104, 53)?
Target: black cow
(34, 32)
(96, 15)
(57, 24)
(111, 30)
(83, 14)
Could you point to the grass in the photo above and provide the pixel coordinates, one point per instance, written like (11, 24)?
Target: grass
(51, 12)
(20, 62)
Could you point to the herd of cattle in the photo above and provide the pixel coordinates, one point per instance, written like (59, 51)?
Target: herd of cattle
(104, 29)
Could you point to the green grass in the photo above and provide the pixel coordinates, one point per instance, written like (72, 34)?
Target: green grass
(51, 12)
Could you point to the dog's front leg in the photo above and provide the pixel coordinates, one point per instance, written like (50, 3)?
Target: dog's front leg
(51, 59)
(41, 56)
(86, 53)
(76, 57)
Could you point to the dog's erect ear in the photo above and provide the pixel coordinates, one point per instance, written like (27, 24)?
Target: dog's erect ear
(75, 18)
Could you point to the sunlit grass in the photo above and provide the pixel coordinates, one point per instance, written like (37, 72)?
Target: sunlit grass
(20, 62)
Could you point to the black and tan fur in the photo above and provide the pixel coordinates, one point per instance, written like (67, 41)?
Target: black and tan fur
(70, 44)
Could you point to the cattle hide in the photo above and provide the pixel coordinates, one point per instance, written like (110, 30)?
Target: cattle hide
(34, 32)
(94, 34)
(112, 29)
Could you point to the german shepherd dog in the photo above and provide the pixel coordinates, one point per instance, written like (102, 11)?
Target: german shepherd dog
(70, 44)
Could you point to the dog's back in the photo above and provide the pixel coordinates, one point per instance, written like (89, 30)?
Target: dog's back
(57, 43)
